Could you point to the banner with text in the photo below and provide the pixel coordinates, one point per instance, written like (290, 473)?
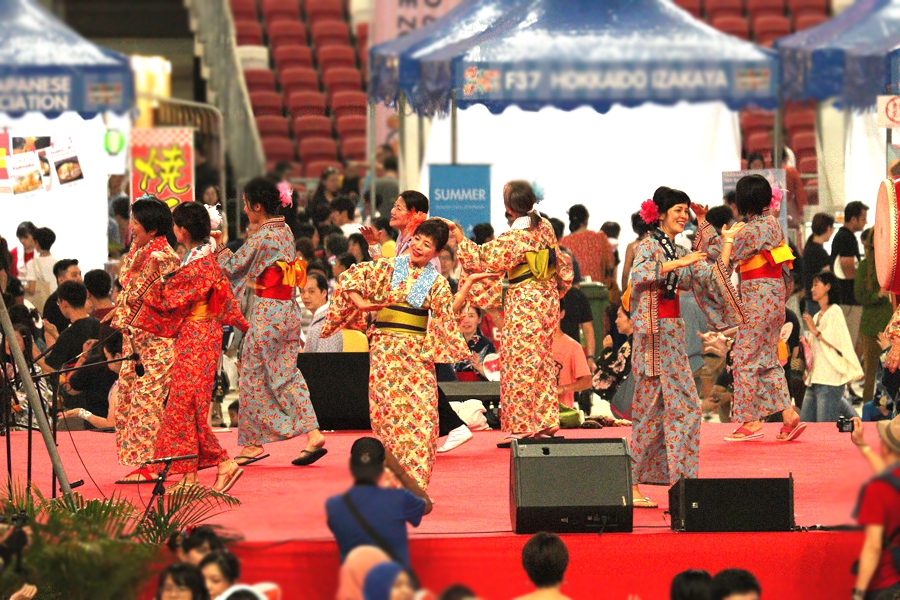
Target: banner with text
(162, 164)
(461, 193)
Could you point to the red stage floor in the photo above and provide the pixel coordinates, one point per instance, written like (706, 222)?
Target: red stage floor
(468, 537)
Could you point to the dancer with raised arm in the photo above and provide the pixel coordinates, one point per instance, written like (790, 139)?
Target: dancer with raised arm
(765, 260)
(665, 439)
(191, 304)
(538, 277)
(415, 326)
(274, 399)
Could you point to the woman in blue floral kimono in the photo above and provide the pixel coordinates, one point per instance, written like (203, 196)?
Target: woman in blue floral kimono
(665, 440)
(765, 260)
(274, 399)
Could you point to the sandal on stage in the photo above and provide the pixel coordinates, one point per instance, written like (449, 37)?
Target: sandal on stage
(144, 475)
(310, 457)
(243, 460)
(181, 485)
(788, 433)
(742, 434)
(229, 478)
(507, 441)
(644, 502)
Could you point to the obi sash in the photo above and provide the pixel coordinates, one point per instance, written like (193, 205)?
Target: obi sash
(403, 319)
(668, 308)
(768, 263)
(539, 265)
(277, 282)
(199, 311)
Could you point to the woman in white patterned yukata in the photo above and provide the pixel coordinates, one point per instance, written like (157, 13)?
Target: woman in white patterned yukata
(274, 399)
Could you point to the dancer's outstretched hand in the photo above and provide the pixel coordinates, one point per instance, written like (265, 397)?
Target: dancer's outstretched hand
(369, 234)
(700, 210)
(693, 257)
(730, 232)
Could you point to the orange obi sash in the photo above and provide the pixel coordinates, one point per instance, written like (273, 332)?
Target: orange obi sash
(668, 309)
(199, 311)
(277, 282)
(768, 263)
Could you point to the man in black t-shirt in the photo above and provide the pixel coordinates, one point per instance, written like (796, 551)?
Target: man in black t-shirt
(815, 258)
(64, 270)
(72, 298)
(845, 255)
(579, 321)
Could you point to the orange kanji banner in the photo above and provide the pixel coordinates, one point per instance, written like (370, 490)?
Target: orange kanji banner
(162, 163)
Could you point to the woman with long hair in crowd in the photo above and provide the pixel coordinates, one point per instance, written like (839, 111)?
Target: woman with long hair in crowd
(274, 399)
(592, 250)
(319, 206)
(181, 581)
(221, 571)
(760, 388)
(538, 276)
(665, 440)
(191, 304)
(140, 399)
(415, 326)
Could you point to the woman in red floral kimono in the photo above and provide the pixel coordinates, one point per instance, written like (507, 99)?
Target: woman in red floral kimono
(191, 304)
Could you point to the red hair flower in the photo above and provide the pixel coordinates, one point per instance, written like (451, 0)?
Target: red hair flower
(649, 212)
(416, 218)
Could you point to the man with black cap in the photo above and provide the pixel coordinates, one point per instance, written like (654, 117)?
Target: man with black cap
(369, 515)
(878, 512)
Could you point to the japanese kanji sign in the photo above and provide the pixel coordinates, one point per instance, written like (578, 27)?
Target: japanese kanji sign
(162, 163)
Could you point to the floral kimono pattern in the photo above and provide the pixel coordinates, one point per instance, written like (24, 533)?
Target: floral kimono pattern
(612, 369)
(403, 393)
(141, 398)
(190, 304)
(760, 387)
(665, 439)
(274, 399)
(528, 401)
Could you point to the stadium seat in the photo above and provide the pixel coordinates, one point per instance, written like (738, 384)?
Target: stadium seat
(272, 126)
(795, 122)
(287, 57)
(354, 148)
(314, 169)
(805, 21)
(243, 10)
(296, 169)
(298, 80)
(723, 8)
(808, 7)
(759, 8)
(312, 127)
(330, 33)
(330, 57)
(756, 122)
(342, 79)
(350, 126)
(767, 29)
(248, 33)
(692, 6)
(812, 194)
(322, 10)
(362, 33)
(759, 142)
(306, 104)
(266, 104)
(317, 149)
(349, 103)
(732, 25)
(259, 80)
(278, 148)
(808, 165)
(804, 145)
(286, 33)
(280, 10)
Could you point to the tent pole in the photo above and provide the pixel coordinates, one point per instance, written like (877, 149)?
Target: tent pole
(889, 139)
(453, 127)
(776, 137)
(401, 131)
(370, 125)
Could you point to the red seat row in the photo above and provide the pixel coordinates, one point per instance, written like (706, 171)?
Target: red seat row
(754, 8)
(309, 104)
(348, 126)
(314, 149)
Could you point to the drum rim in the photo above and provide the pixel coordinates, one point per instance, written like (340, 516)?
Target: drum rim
(890, 186)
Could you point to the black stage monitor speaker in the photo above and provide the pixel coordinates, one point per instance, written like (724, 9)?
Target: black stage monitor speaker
(338, 388)
(570, 486)
(732, 504)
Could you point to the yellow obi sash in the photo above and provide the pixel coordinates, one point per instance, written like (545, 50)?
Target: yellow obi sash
(199, 311)
(769, 260)
(403, 318)
(536, 266)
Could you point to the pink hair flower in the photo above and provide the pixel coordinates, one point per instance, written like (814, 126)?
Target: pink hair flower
(649, 212)
(286, 194)
(215, 219)
(777, 194)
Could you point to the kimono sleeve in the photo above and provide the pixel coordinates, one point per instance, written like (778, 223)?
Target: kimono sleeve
(715, 295)
(497, 256)
(443, 341)
(370, 279)
(647, 266)
(237, 266)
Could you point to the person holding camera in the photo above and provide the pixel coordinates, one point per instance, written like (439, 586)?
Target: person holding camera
(878, 511)
(13, 539)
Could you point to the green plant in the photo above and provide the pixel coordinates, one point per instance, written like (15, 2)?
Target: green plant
(100, 549)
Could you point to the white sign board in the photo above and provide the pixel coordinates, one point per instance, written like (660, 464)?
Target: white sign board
(888, 112)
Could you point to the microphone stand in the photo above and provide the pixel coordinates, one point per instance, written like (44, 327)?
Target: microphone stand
(159, 489)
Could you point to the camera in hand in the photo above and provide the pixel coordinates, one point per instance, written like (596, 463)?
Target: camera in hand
(844, 424)
(14, 544)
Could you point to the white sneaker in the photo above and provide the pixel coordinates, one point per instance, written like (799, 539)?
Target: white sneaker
(456, 438)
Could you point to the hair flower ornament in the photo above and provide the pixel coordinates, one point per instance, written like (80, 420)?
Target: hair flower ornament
(777, 195)
(649, 212)
(215, 218)
(286, 194)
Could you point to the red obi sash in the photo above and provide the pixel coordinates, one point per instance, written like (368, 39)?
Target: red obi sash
(668, 309)
(270, 284)
(766, 271)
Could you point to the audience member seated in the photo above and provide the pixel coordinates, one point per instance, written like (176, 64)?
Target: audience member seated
(20, 406)
(358, 247)
(483, 233)
(314, 296)
(572, 374)
(458, 592)
(181, 581)
(192, 544)
(369, 515)
(878, 511)
(72, 296)
(447, 256)
(388, 581)
(89, 391)
(735, 584)
(99, 285)
(343, 215)
(221, 570)
(614, 367)
(66, 269)
(234, 414)
(39, 272)
(470, 327)
(691, 584)
(342, 262)
(335, 245)
(357, 565)
(545, 559)
(384, 236)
